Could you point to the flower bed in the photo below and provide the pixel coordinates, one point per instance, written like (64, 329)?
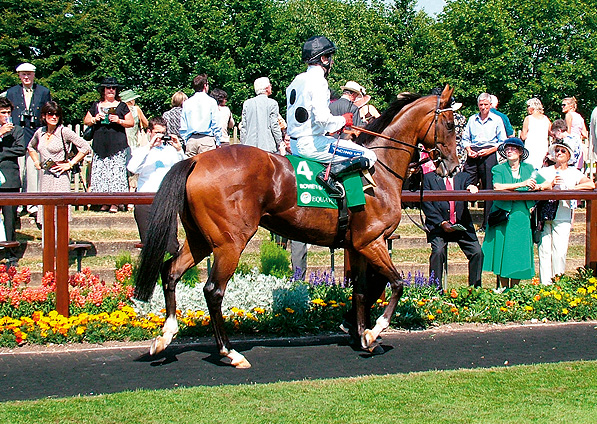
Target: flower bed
(100, 312)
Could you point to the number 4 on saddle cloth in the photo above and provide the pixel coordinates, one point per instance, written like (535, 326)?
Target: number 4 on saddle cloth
(311, 193)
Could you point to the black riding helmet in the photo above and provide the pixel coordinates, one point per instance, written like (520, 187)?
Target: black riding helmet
(315, 47)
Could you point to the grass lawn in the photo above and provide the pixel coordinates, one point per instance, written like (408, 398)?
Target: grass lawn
(558, 393)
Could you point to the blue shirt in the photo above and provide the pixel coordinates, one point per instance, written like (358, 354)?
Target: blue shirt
(200, 116)
(482, 134)
(505, 120)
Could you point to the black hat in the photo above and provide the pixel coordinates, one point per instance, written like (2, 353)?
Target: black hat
(109, 82)
(513, 141)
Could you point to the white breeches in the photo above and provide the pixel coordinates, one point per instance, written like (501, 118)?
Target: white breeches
(553, 249)
(321, 149)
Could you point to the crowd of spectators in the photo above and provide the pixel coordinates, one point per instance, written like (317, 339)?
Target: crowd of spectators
(36, 152)
(495, 159)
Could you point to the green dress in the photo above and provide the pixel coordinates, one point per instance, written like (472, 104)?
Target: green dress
(508, 247)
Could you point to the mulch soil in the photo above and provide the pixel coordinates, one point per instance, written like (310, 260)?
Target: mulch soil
(38, 372)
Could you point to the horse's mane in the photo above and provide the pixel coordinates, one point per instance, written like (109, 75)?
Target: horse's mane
(380, 124)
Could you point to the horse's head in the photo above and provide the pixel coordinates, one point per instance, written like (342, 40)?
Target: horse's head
(437, 134)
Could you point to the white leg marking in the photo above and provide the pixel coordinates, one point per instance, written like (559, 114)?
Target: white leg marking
(169, 331)
(237, 360)
(369, 336)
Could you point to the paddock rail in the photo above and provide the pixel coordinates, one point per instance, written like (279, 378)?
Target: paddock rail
(56, 232)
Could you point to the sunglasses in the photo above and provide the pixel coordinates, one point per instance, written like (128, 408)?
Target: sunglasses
(111, 87)
(560, 150)
(52, 114)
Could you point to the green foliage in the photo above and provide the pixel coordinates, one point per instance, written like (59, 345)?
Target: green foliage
(295, 298)
(274, 260)
(243, 268)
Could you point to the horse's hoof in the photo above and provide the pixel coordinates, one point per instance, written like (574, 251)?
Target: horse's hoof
(157, 345)
(368, 338)
(376, 349)
(241, 364)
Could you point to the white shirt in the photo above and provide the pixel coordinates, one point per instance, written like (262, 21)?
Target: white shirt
(152, 165)
(571, 177)
(308, 105)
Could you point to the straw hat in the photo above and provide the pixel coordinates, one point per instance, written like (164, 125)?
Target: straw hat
(561, 143)
(354, 87)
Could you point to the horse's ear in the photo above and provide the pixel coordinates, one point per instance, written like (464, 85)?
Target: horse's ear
(446, 96)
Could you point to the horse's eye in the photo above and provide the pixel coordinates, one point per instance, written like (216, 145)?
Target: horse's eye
(450, 125)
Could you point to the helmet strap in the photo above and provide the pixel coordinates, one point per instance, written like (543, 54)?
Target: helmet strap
(326, 65)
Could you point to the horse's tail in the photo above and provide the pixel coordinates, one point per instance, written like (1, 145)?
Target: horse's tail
(168, 202)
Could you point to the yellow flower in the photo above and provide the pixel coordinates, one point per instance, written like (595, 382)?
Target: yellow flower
(528, 308)
(581, 290)
(430, 317)
(80, 330)
(290, 310)
(593, 280)
(557, 296)
(503, 309)
(591, 289)
(565, 311)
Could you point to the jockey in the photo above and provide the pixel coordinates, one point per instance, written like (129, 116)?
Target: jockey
(309, 119)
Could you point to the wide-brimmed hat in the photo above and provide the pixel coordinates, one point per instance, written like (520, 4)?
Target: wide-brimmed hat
(26, 67)
(560, 143)
(128, 95)
(109, 82)
(354, 87)
(513, 141)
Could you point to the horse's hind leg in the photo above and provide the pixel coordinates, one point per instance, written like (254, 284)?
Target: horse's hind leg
(225, 261)
(172, 270)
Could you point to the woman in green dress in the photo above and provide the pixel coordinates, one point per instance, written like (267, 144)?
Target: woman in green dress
(508, 245)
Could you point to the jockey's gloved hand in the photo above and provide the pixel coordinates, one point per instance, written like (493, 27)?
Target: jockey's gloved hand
(348, 117)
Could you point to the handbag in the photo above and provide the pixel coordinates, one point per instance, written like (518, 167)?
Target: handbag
(497, 217)
(88, 133)
(547, 209)
(70, 154)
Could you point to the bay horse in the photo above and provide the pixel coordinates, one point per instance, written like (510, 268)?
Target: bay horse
(224, 195)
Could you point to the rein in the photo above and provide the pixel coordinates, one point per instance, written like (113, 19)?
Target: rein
(430, 152)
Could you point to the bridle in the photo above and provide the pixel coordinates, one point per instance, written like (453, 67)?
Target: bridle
(431, 153)
(434, 154)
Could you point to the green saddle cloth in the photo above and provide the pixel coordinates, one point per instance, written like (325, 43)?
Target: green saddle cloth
(311, 193)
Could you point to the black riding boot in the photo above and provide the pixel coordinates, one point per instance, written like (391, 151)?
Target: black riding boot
(339, 169)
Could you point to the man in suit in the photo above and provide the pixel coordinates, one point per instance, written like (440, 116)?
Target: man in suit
(450, 221)
(27, 99)
(260, 126)
(12, 147)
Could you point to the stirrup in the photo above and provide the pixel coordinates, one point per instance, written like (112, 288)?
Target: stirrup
(334, 189)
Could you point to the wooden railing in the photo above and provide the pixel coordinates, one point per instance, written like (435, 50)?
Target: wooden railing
(55, 234)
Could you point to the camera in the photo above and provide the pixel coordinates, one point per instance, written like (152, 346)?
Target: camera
(167, 139)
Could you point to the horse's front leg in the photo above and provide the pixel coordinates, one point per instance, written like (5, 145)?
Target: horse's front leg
(378, 257)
